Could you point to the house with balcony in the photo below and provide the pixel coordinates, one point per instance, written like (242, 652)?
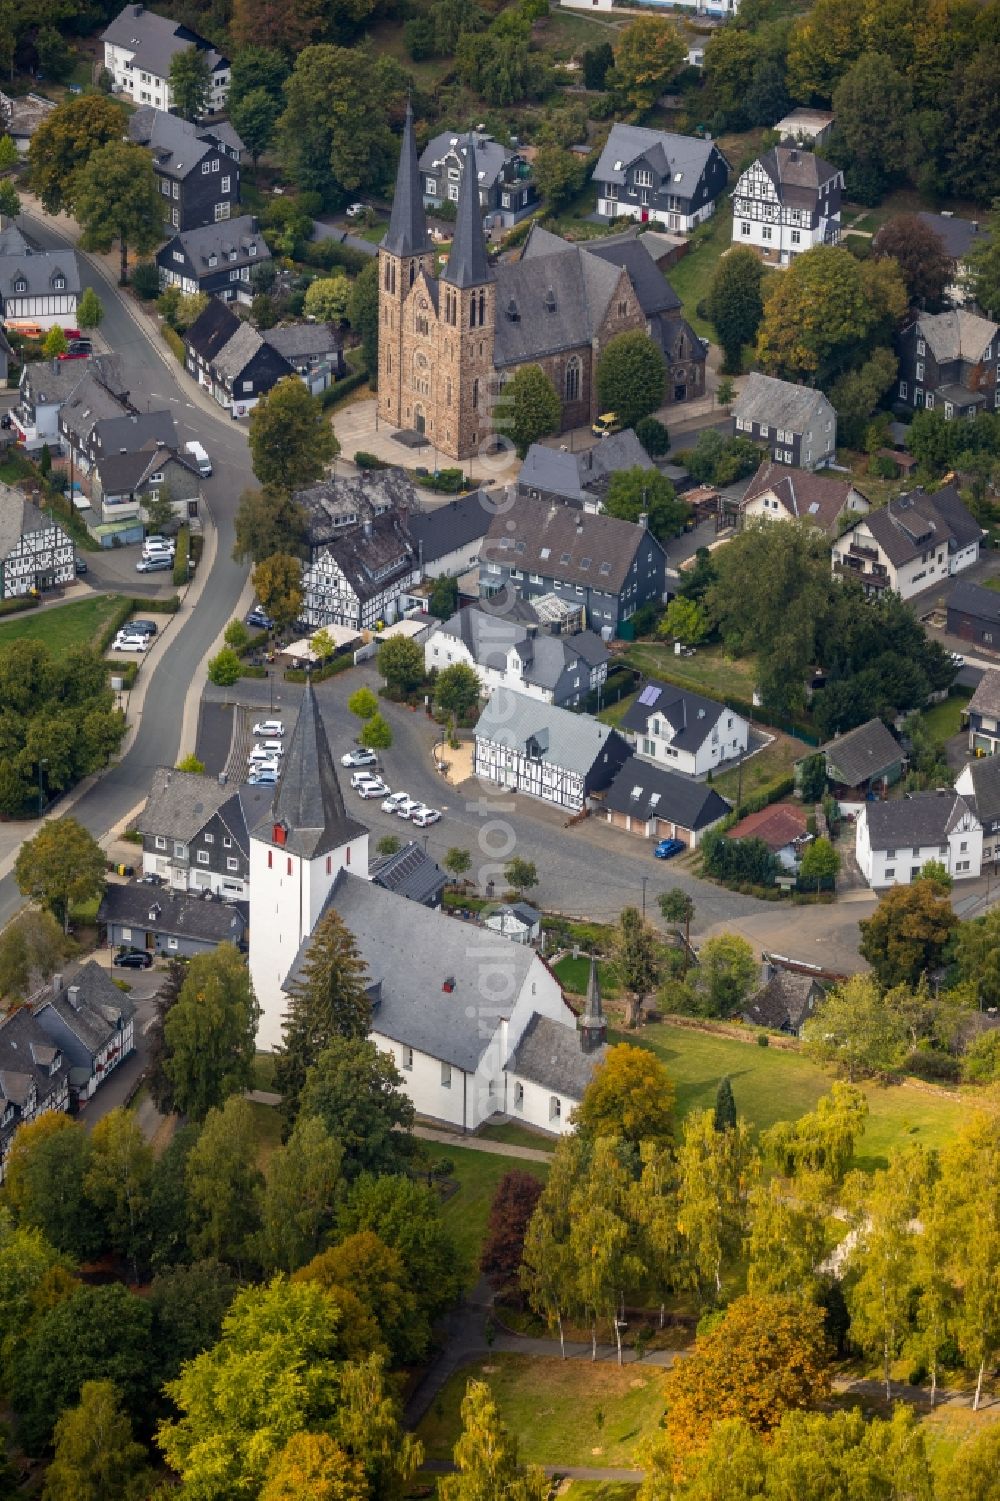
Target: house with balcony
(894, 840)
(796, 423)
(139, 47)
(197, 167)
(948, 363)
(657, 177)
(44, 387)
(786, 202)
(913, 542)
(779, 492)
(507, 190)
(506, 653)
(123, 483)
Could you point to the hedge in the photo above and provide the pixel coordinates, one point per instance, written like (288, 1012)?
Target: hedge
(320, 674)
(335, 394)
(168, 606)
(173, 338)
(20, 602)
(181, 572)
(365, 460)
(120, 614)
(772, 794)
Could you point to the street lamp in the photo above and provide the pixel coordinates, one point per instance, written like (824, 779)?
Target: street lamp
(644, 880)
(43, 761)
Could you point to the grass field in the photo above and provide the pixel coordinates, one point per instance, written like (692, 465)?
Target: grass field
(772, 1084)
(76, 624)
(710, 671)
(692, 275)
(467, 1211)
(563, 1412)
(573, 975)
(766, 767)
(945, 719)
(516, 1135)
(267, 1131)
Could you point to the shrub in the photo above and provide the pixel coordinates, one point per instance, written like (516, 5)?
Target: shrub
(763, 1041)
(369, 460)
(225, 669)
(653, 436)
(171, 337)
(334, 395)
(169, 605)
(146, 280)
(20, 602)
(181, 573)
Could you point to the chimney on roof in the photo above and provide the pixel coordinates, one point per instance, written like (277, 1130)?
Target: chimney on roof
(57, 980)
(73, 996)
(643, 519)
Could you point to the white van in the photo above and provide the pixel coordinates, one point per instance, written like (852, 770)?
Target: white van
(199, 458)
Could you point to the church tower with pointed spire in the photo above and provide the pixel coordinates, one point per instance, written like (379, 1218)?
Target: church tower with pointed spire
(297, 849)
(467, 321)
(403, 255)
(593, 1025)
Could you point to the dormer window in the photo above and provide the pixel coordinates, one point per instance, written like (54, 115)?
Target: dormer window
(213, 260)
(20, 285)
(59, 283)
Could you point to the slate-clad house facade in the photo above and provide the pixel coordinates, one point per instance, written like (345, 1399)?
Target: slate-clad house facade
(974, 615)
(983, 715)
(140, 45)
(91, 1022)
(34, 1076)
(786, 202)
(503, 176)
(197, 168)
(796, 423)
(46, 386)
(609, 567)
(231, 359)
(658, 177)
(194, 833)
(124, 483)
(549, 753)
(217, 259)
(948, 363)
(35, 552)
(175, 924)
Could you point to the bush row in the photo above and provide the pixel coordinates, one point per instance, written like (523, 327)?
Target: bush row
(20, 602)
(181, 558)
(320, 674)
(173, 338)
(335, 394)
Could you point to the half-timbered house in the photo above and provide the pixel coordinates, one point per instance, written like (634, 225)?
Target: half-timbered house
(786, 202)
(552, 754)
(34, 1076)
(357, 578)
(35, 552)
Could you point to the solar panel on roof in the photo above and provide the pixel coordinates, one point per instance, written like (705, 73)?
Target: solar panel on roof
(648, 696)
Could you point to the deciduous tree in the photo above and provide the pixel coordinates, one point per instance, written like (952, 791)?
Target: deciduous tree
(115, 197)
(188, 1305)
(921, 256)
(639, 492)
(726, 974)
(820, 862)
(312, 1467)
(457, 689)
(407, 1217)
(713, 1168)
(685, 620)
(363, 704)
(528, 408)
(96, 1456)
(334, 134)
(880, 1292)
(650, 51)
(375, 1273)
(255, 117)
(118, 1181)
(61, 866)
(327, 1002)
(209, 1034)
(223, 1183)
(268, 521)
(735, 304)
(816, 321)
(905, 936)
(376, 734)
(354, 1088)
(631, 375)
(486, 1457)
(64, 142)
(547, 1274)
(786, 1241)
(45, 1171)
(277, 583)
(559, 174)
(291, 440)
(514, 1202)
(630, 1096)
(401, 663)
(190, 82)
(301, 1182)
(31, 949)
(327, 298)
(363, 316)
(873, 104)
(854, 1029)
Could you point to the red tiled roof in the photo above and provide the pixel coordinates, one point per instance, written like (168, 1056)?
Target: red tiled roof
(777, 825)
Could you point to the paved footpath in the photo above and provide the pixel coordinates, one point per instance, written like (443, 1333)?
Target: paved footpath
(476, 1144)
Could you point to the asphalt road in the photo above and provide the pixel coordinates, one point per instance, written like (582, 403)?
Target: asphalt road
(154, 384)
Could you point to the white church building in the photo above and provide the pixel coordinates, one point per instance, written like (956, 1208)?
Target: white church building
(477, 1024)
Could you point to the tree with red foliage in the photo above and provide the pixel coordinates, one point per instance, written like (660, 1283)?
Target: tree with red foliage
(513, 1205)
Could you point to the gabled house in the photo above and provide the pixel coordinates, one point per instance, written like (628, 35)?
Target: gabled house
(35, 552)
(912, 542)
(796, 423)
(781, 826)
(37, 287)
(231, 360)
(197, 167)
(505, 653)
(43, 388)
(340, 503)
(518, 921)
(529, 746)
(785, 1001)
(863, 763)
(948, 363)
(894, 840)
(411, 872)
(973, 614)
(609, 567)
(175, 924)
(786, 202)
(504, 177)
(195, 833)
(95, 398)
(20, 117)
(448, 539)
(123, 484)
(684, 731)
(780, 493)
(805, 127)
(92, 1024)
(217, 259)
(358, 577)
(982, 714)
(654, 803)
(658, 177)
(580, 479)
(961, 239)
(315, 351)
(139, 47)
(979, 784)
(34, 1076)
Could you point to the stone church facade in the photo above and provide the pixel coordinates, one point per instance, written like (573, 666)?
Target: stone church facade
(449, 343)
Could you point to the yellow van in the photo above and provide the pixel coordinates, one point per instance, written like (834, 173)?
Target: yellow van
(606, 425)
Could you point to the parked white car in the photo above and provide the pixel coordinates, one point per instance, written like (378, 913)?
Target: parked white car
(359, 758)
(359, 778)
(373, 789)
(268, 728)
(264, 776)
(392, 803)
(266, 752)
(408, 807)
(424, 816)
(130, 643)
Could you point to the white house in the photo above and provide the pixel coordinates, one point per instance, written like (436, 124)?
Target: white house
(35, 552)
(477, 1024)
(894, 840)
(139, 47)
(506, 653)
(517, 921)
(38, 288)
(779, 492)
(357, 579)
(684, 731)
(786, 202)
(914, 541)
(448, 539)
(549, 753)
(979, 783)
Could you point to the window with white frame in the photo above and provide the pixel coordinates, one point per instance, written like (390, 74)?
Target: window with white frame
(920, 372)
(160, 842)
(446, 1076)
(127, 934)
(555, 1108)
(744, 227)
(171, 943)
(202, 857)
(232, 864)
(406, 1060)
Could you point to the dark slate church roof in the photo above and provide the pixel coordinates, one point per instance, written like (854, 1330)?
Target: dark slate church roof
(552, 1055)
(407, 232)
(308, 799)
(468, 264)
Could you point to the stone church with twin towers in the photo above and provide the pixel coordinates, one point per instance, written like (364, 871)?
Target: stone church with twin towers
(448, 342)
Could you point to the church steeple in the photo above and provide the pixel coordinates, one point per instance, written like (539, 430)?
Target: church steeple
(407, 232)
(308, 816)
(593, 1026)
(468, 264)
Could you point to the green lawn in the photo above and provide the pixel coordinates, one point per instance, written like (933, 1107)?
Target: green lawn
(772, 1084)
(563, 1412)
(516, 1135)
(945, 719)
(691, 276)
(467, 1211)
(64, 626)
(710, 671)
(267, 1131)
(263, 1070)
(573, 975)
(770, 765)
(373, 233)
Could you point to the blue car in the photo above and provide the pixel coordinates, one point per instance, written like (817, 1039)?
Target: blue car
(668, 847)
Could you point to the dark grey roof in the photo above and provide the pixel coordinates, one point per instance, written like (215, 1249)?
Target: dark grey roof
(779, 403)
(91, 400)
(50, 382)
(180, 803)
(687, 156)
(784, 1002)
(646, 791)
(236, 354)
(26, 1054)
(578, 477)
(468, 264)
(122, 472)
(296, 340)
(40, 271)
(691, 716)
(155, 40)
(407, 232)
(654, 292)
(308, 799)
(554, 298)
(410, 953)
(548, 662)
(373, 556)
(178, 145)
(561, 738)
(490, 155)
(559, 542)
(90, 1004)
(986, 698)
(212, 329)
(913, 523)
(449, 527)
(868, 751)
(957, 335)
(797, 174)
(339, 502)
(973, 599)
(21, 117)
(135, 431)
(552, 1055)
(957, 235)
(174, 913)
(985, 773)
(922, 818)
(410, 872)
(230, 242)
